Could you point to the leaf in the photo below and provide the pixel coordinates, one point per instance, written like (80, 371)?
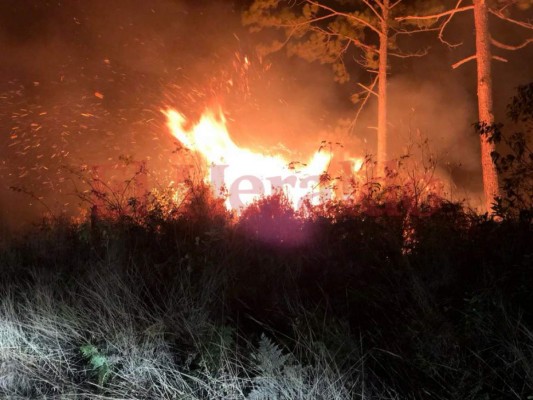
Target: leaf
(270, 357)
(98, 361)
(88, 350)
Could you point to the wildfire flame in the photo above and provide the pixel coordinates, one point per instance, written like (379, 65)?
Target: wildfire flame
(244, 173)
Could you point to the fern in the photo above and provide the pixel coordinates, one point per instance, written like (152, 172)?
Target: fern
(270, 358)
(99, 362)
(279, 376)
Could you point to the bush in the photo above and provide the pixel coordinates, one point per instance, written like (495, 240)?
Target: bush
(514, 162)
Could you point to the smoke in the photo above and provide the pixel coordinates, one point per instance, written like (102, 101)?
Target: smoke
(83, 83)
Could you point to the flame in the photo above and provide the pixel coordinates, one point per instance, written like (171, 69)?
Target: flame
(244, 173)
(357, 163)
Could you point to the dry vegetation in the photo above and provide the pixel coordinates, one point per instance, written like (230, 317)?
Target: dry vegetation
(334, 305)
(392, 296)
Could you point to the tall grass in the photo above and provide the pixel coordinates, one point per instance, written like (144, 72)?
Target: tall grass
(103, 337)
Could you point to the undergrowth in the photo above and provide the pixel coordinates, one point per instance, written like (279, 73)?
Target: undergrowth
(334, 303)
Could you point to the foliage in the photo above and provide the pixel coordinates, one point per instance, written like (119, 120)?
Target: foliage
(514, 161)
(199, 310)
(278, 377)
(99, 362)
(326, 32)
(272, 220)
(521, 107)
(117, 198)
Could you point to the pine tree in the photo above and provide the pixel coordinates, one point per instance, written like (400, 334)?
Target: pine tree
(329, 31)
(485, 43)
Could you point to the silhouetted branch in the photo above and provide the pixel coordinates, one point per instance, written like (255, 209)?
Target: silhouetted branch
(33, 196)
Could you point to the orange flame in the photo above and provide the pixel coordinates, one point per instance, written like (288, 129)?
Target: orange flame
(244, 173)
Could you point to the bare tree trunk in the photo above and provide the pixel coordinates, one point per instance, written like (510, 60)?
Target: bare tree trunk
(382, 91)
(484, 95)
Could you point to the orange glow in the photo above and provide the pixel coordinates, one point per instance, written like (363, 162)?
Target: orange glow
(244, 173)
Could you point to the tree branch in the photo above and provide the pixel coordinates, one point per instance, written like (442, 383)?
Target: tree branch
(380, 4)
(509, 3)
(511, 47)
(467, 59)
(412, 31)
(435, 16)
(370, 89)
(346, 15)
(523, 24)
(369, 5)
(463, 61)
(443, 26)
(308, 22)
(420, 53)
(498, 58)
(394, 4)
(344, 50)
(356, 42)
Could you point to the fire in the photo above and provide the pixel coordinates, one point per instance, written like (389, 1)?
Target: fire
(244, 173)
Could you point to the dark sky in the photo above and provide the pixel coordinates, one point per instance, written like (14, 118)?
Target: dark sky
(83, 82)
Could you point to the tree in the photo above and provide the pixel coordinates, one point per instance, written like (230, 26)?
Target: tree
(329, 30)
(483, 57)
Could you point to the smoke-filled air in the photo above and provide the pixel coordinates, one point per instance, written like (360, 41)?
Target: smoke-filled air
(88, 84)
(266, 199)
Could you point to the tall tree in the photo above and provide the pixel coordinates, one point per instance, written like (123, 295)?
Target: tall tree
(328, 30)
(483, 57)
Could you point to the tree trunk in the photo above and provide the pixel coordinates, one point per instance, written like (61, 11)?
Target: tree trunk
(382, 91)
(484, 95)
